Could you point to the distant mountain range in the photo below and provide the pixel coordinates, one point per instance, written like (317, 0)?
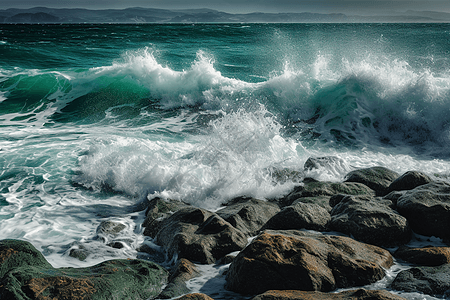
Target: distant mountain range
(151, 15)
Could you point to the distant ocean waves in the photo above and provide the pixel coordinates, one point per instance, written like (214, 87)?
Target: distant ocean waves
(385, 103)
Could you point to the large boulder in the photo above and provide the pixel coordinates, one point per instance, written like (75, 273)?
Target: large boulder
(300, 216)
(377, 178)
(433, 281)
(359, 294)
(306, 261)
(25, 275)
(199, 235)
(370, 220)
(427, 209)
(409, 181)
(427, 256)
(248, 214)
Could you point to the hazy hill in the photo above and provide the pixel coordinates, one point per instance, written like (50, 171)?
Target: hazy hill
(151, 15)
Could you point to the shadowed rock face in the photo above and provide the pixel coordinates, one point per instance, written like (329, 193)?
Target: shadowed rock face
(248, 214)
(370, 220)
(305, 261)
(300, 216)
(433, 281)
(199, 235)
(25, 275)
(427, 209)
(409, 181)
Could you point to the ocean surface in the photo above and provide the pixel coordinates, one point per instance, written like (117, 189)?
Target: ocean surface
(94, 119)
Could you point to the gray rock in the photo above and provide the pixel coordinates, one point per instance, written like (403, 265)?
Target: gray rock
(305, 261)
(433, 281)
(427, 209)
(248, 214)
(199, 235)
(370, 220)
(300, 216)
(322, 201)
(157, 210)
(284, 175)
(377, 178)
(320, 189)
(331, 162)
(183, 271)
(409, 181)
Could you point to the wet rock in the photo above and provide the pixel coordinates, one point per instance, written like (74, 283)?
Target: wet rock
(195, 296)
(377, 178)
(427, 256)
(394, 196)
(183, 271)
(319, 189)
(433, 281)
(150, 251)
(227, 259)
(300, 216)
(427, 209)
(199, 235)
(409, 181)
(158, 209)
(305, 261)
(25, 274)
(248, 214)
(110, 228)
(285, 175)
(359, 294)
(370, 220)
(330, 162)
(322, 201)
(79, 252)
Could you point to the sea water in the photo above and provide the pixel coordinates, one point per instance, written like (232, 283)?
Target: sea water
(96, 118)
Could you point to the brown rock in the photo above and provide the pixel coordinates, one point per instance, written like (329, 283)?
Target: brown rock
(427, 256)
(360, 294)
(183, 271)
(195, 296)
(305, 261)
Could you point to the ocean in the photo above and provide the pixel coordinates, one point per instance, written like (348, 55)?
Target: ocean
(96, 118)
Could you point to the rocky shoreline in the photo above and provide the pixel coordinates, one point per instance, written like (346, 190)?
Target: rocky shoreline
(321, 237)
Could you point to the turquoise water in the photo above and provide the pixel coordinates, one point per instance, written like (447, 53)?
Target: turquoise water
(96, 118)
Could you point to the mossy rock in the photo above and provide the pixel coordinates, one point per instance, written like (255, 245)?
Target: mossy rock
(30, 276)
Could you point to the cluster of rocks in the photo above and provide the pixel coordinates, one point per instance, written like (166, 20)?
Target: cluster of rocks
(292, 253)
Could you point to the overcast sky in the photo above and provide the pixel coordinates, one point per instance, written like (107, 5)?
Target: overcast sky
(245, 6)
